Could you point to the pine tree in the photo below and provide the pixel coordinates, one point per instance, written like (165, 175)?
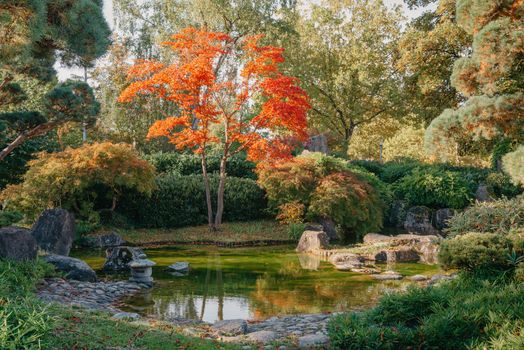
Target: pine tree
(491, 77)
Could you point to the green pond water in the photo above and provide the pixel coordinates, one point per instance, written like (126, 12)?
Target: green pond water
(252, 283)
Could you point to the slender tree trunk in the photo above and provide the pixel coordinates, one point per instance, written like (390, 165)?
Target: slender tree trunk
(208, 192)
(220, 195)
(22, 137)
(84, 124)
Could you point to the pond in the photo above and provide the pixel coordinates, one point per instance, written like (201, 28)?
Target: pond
(251, 283)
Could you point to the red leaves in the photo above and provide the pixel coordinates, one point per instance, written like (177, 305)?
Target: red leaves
(217, 84)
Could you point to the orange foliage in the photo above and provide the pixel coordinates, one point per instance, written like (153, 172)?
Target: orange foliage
(217, 83)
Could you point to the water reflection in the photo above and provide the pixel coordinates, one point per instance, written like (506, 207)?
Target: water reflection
(252, 283)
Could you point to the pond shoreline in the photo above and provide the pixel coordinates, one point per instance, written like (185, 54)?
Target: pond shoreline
(244, 244)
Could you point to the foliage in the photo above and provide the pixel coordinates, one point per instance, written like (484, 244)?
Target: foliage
(291, 213)
(365, 141)
(63, 179)
(467, 312)
(180, 201)
(230, 94)
(436, 188)
(514, 165)
(347, 66)
(24, 320)
(350, 202)
(327, 187)
(475, 252)
(491, 77)
(190, 164)
(8, 218)
(428, 49)
(500, 185)
(408, 142)
(494, 217)
(295, 230)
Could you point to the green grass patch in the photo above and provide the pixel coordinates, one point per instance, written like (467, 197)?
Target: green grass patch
(232, 232)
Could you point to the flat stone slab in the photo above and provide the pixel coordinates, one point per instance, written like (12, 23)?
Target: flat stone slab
(126, 316)
(419, 278)
(180, 266)
(230, 327)
(311, 341)
(388, 275)
(261, 337)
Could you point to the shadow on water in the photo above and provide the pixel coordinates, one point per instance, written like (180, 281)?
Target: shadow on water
(251, 283)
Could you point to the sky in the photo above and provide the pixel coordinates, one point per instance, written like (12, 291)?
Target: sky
(66, 73)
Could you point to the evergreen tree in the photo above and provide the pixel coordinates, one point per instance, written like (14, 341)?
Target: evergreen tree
(33, 34)
(491, 78)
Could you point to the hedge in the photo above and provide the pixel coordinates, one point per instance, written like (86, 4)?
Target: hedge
(180, 201)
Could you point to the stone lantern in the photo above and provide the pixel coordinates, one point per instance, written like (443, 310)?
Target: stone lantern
(141, 270)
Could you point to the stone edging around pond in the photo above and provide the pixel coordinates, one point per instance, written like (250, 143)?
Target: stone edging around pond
(90, 295)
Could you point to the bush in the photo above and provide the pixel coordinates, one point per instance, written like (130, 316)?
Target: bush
(66, 179)
(395, 170)
(8, 218)
(513, 163)
(291, 213)
(476, 252)
(190, 164)
(436, 189)
(351, 203)
(468, 312)
(496, 217)
(180, 201)
(328, 187)
(500, 185)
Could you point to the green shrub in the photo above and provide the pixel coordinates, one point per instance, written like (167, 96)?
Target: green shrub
(395, 170)
(180, 201)
(497, 217)
(500, 185)
(190, 164)
(476, 251)
(8, 218)
(328, 187)
(468, 312)
(372, 166)
(436, 189)
(295, 230)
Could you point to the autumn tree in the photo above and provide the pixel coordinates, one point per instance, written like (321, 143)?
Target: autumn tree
(230, 94)
(428, 49)
(345, 59)
(491, 77)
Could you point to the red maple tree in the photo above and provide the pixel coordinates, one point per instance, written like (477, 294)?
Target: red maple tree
(230, 94)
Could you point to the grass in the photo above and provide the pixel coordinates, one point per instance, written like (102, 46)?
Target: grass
(27, 323)
(230, 233)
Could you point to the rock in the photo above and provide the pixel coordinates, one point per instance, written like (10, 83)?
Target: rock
(74, 269)
(329, 227)
(482, 194)
(312, 341)
(397, 213)
(118, 258)
(312, 241)
(17, 243)
(418, 220)
(262, 337)
(126, 316)
(54, 231)
(388, 275)
(346, 261)
(180, 266)
(438, 278)
(106, 240)
(403, 254)
(418, 278)
(371, 238)
(441, 217)
(230, 327)
(309, 262)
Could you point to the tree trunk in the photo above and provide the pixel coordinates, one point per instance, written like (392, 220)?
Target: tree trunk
(347, 139)
(220, 195)
(26, 135)
(208, 193)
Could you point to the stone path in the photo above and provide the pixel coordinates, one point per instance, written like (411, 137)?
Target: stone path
(90, 295)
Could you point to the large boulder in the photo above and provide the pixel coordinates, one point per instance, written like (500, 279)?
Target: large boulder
(106, 240)
(397, 213)
(403, 254)
(17, 243)
(482, 194)
(54, 231)
(329, 227)
(346, 261)
(418, 220)
(312, 241)
(230, 327)
(372, 238)
(441, 217)
(118, 258)
(75, 269)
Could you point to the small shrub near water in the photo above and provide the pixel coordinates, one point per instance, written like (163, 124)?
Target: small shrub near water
(496, 217)
(462, 314)
(8, 218)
